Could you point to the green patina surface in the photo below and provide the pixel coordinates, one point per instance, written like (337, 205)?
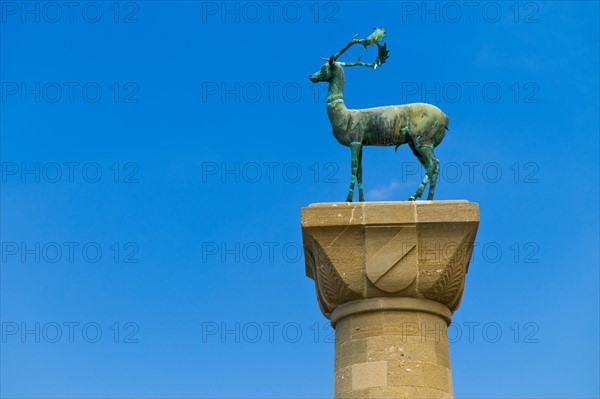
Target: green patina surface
(422, 126)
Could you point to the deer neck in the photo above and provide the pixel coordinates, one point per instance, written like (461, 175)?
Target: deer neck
(336, 109)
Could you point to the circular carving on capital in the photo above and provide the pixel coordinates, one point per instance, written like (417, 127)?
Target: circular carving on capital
(390, 256)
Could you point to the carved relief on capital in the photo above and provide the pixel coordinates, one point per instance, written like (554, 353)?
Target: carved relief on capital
(390, 261)
(331, 288)
(449, 287)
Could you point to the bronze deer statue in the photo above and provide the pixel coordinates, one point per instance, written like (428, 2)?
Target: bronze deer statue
(421, 126)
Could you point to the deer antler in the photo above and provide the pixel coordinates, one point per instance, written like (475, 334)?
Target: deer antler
(373, 39)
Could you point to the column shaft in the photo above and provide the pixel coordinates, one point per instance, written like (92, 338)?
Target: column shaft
(392, 354)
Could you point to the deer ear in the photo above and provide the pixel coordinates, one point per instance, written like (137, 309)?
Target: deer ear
(331, 61)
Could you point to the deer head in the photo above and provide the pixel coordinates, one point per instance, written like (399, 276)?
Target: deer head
(331, 67)
(325, 74)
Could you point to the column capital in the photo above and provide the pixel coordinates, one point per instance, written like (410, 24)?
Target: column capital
(413, 249)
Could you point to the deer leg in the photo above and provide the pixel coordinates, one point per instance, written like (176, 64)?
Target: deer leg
(421, 188)
(354, 150)
(434, 176)
(423, 162)
(361, 196)
(432, 166)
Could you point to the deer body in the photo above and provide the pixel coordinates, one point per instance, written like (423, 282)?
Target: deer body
(386, 126)
(421, 126)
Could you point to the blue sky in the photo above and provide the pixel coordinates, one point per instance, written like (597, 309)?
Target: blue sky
(155, 157)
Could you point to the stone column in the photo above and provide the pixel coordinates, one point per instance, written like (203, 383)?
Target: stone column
(388, 276)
